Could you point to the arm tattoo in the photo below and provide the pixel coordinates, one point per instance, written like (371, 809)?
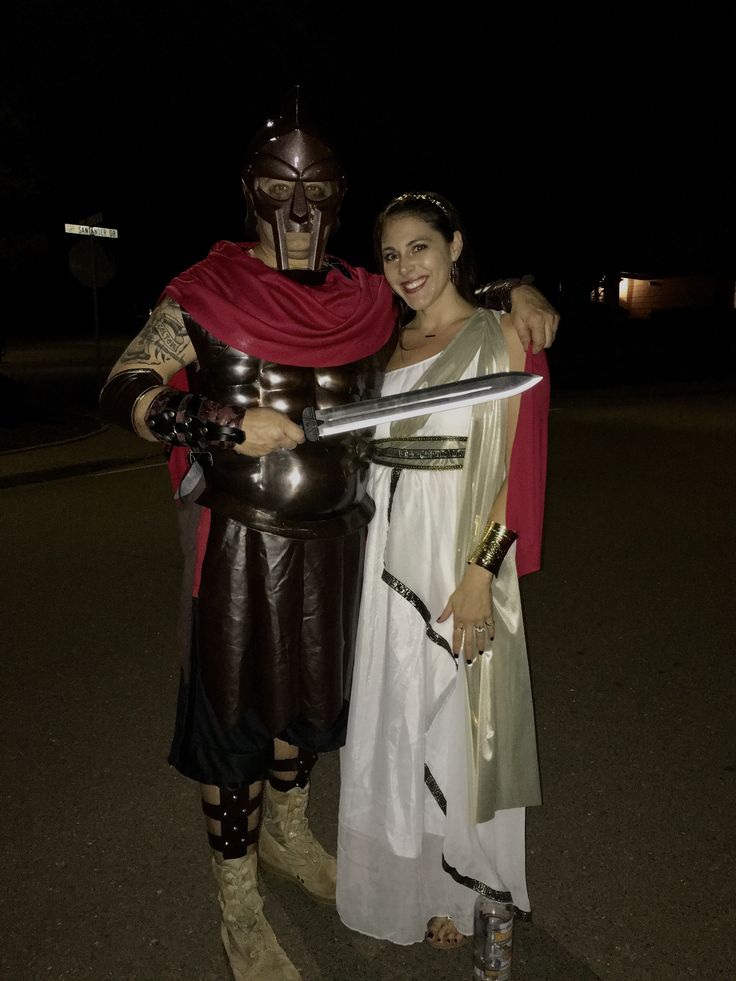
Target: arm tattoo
(164, 338)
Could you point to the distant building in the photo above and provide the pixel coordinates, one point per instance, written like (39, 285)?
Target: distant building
(640, 295)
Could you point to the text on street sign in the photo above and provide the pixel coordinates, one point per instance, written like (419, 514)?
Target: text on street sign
(91, 230)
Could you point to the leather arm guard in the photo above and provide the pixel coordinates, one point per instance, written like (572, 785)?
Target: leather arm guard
(120, 394)
(497, 295)
(174, 417)
(183, 419)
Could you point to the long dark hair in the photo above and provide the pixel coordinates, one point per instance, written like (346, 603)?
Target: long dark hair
(442, 215)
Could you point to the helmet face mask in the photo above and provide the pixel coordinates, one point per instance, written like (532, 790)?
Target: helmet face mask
(293, 183)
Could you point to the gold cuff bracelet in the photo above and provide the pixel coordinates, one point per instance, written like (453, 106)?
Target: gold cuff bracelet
(491, 550)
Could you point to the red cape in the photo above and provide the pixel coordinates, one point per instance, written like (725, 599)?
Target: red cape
(528, 470)
(262, 312)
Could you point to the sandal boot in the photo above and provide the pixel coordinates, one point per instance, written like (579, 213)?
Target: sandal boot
(288, 849)
(251, 945)
(452, 940)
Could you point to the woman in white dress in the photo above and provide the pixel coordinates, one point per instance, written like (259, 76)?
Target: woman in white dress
(440, 760)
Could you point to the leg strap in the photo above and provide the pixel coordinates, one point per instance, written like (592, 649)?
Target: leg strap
(232, 812)
(303, 764)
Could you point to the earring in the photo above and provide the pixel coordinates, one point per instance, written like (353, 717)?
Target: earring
(453, 273)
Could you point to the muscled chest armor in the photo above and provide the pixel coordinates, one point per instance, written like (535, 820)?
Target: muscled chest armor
(317, 490)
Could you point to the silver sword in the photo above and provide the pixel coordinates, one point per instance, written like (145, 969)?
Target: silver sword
(318, 423)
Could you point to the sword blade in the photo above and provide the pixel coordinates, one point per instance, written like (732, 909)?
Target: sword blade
(416, 402)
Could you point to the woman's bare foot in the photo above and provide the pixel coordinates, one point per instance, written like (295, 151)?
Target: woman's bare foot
(444, 935)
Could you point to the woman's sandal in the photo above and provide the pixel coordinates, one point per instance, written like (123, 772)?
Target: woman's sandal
(442, 934)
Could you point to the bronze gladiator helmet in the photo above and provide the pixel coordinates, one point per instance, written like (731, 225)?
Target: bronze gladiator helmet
(293, 181)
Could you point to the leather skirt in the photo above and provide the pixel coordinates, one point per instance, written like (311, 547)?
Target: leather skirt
(271, 653)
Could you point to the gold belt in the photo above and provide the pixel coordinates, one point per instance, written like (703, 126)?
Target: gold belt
(420, 452)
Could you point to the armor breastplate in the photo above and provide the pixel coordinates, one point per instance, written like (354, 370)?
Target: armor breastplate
(317, 490)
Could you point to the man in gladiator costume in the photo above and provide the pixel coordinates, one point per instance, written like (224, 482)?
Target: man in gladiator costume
(272, 527)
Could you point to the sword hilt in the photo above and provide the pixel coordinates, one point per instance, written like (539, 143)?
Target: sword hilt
(310, 424)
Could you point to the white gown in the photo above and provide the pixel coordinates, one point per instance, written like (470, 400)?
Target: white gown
(401, 858)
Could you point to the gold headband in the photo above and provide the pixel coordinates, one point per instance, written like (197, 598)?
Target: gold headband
(416, 196)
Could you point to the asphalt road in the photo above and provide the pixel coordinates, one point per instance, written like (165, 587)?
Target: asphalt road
(105, 873)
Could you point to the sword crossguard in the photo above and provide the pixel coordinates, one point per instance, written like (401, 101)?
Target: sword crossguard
(310, 424)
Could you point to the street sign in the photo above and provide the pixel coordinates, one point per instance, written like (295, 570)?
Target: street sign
(90, 262)
(91, 230)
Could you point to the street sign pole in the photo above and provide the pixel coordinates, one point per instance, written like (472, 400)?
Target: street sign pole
(98, 358)
(92, 228)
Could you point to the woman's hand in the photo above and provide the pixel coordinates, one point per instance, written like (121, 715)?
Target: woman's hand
(471, 606)
(267, 430)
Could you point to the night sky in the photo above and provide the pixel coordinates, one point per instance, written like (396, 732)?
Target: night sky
(569, 144)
